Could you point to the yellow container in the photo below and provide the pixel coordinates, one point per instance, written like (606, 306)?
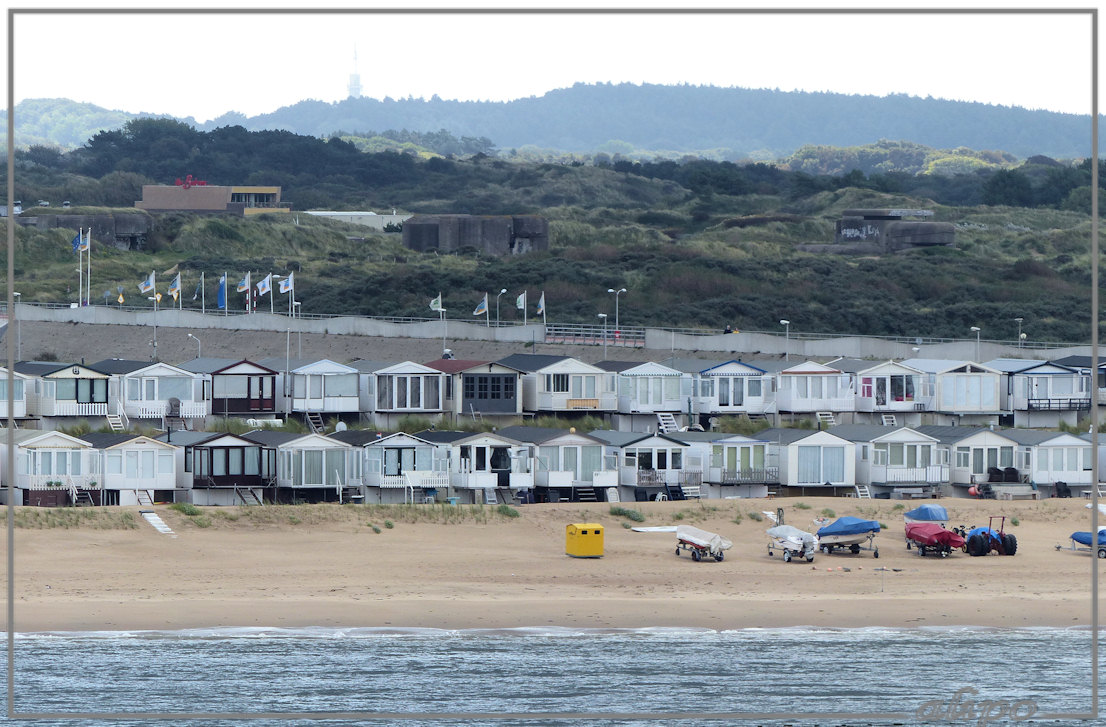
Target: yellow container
(584, 540)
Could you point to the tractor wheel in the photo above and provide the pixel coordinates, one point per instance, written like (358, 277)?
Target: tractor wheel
(977, 545)
(854, 548)
(1009, 544)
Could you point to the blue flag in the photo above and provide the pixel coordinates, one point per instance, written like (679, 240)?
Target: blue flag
(77, 242)
(222, 297)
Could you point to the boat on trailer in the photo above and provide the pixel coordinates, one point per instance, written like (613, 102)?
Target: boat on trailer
(848, 532)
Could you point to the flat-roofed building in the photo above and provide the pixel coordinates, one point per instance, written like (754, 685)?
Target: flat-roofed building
(190, 195)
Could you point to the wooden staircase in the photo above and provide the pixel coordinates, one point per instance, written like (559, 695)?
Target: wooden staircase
(586, 494)
(144, 498)
(826, 418)
(315, 421)
(80, 498)
(862, 492)
(666, 423)
(889, 420)
(115, 421)
(248, 497)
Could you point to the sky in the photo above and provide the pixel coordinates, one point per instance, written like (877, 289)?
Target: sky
(205, 65)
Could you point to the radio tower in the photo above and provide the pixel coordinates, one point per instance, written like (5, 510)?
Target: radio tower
(355, 78)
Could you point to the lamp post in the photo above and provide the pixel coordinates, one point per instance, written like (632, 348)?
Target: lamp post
(272, 293)
(616, 294)
(603, 317)
(976, 329)
(501, 292)
(299, 331)
(18, 327)
(199, 346)
(1020, 336)
(156, 298)
(786, 339)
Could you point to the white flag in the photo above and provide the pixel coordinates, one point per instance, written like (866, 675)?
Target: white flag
(520, 302)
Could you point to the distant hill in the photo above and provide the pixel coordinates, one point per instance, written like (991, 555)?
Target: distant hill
(720, 123)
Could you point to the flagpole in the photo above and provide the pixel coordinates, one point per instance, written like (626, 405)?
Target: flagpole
(88, 269)
(80, 270)
(226, 295)
(203, 295)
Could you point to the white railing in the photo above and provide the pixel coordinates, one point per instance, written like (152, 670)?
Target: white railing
(47, 482)
(474, 480)
(78, 409)
(930, 475)
(159, 409)
(787, 401)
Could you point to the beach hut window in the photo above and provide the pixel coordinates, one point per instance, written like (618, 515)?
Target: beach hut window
(963, 457)
(176, 387)
(17, 388)
(219, 462)
(677, 459)
(62, 462)
(341, 385)
(897, 455)
(671, 387)
(335, 471)
(234, 465)
(880, 455)
(312, 468)
(1073, 459)
(66, 389)
(45, 463)
(114, 463)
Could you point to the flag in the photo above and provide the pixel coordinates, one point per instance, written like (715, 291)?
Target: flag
(85, 241)
(436, 303)
(148, 284)
(221, 296)
(199, 288)
(541, 303)
(265, 285)
(482, 306)
(244, 284)
(77, 241)
(288, 285)
(520, 302)
(174, 287)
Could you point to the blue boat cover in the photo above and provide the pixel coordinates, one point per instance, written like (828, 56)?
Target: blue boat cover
(988, 532)
(849, 526)
(1083, 537)
(929, 512)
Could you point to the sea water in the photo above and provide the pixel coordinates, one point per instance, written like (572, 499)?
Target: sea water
(800, 676)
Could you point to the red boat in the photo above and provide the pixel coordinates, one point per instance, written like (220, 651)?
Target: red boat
(932, 538)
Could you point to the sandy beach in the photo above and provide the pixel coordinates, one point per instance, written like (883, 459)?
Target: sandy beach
(327, 566)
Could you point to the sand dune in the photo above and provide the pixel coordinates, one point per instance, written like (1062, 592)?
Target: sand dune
(325, 566)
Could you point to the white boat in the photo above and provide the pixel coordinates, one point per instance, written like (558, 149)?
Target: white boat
(701, 543)
(794, 543)
(846, 532)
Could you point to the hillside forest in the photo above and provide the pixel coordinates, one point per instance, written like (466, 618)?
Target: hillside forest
(697, 243)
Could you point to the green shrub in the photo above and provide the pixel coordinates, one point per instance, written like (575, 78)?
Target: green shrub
(801, 506)
(376, 529)
(828, 512)
(756, 516)
(507, 511)
(1015, 521)
(635, 515)
(202, 522)
(737, 518)
(898, 506)
(185, 508)
(389, 524)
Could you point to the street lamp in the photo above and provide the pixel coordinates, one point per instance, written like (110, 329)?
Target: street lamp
(976, 329)
(272, 293)
(156, 298)
(786, 339)
(501, 292)
(199, 346)
(18, 327)
(1020, 336)
(616, 294)
(603, 317)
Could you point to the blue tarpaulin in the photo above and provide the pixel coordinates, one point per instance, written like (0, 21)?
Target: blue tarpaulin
(849, 526)
(929, 513)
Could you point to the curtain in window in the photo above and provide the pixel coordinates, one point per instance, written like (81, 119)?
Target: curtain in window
(810, 465)
(335, 467)
(591, 460)
(833, 464)
(313, 467)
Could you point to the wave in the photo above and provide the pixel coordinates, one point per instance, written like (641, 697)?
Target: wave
(392, 632)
